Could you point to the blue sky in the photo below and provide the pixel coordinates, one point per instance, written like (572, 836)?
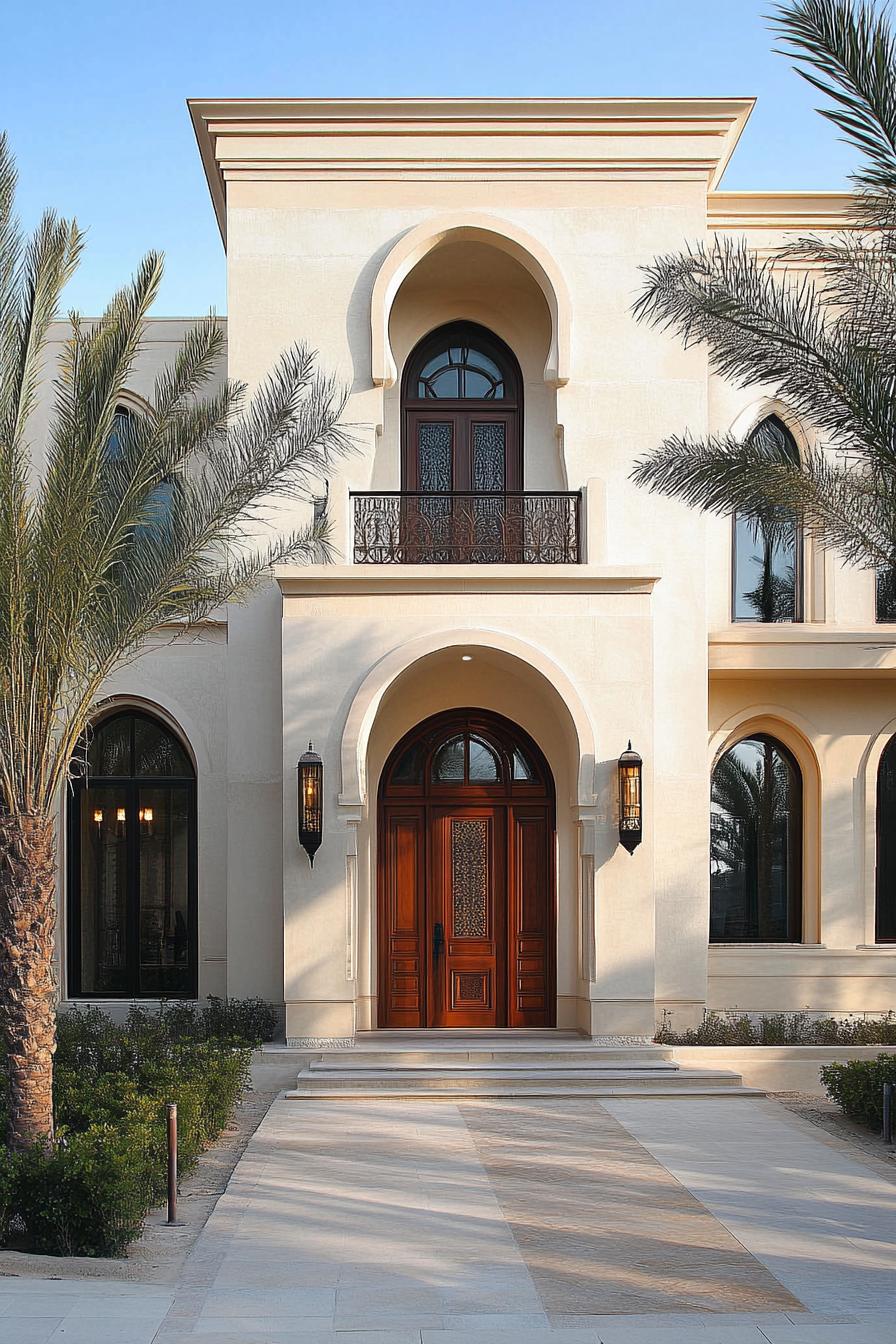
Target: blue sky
(92, 95)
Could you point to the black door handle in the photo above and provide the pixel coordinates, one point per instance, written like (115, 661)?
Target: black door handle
(438, 940)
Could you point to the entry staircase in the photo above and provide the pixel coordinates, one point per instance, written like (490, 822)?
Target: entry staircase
(452, 1064)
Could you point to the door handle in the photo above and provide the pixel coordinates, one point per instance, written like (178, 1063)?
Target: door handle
(438, 940)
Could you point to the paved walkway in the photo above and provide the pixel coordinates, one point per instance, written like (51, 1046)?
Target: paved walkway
(515, 1222)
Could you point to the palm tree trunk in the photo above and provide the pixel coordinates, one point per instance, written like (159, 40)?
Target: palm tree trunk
(27, 980)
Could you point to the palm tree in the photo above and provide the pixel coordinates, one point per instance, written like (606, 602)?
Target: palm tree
(828, 346)
(104, 545)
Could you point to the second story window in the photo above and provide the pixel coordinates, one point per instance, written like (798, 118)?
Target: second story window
(767, 562)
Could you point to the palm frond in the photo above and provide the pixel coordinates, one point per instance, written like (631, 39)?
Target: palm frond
(105, 546)
(847, 52)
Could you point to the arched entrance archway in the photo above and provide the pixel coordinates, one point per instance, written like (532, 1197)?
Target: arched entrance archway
(465, 883)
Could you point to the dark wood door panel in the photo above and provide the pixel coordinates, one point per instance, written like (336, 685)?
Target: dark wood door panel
(402, 886)
(531, 952)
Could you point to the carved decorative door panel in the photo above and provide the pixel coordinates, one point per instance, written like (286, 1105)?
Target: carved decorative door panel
(466, 915)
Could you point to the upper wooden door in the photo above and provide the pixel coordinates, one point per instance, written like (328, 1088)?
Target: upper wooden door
(454, 450)
(462, 414)
(466, 925)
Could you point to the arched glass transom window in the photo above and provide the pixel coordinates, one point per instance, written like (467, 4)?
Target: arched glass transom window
(767, 562)
(132, 864)
(460, 371)
(466, 751)
(885, 877)
(756, 844)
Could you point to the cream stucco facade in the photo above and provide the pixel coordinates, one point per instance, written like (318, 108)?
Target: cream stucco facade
(360, 227)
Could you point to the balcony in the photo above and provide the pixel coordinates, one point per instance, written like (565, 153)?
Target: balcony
(517, 528)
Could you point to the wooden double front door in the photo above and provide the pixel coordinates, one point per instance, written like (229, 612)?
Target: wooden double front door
(466, 907)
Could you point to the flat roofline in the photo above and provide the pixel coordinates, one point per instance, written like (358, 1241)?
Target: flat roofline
(722, 118)
(782, 209)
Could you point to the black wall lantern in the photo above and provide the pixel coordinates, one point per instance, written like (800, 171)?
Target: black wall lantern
(310, 801)
(630, 799)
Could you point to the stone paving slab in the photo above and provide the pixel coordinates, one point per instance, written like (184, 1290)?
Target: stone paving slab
(525, 1221)
(602, 1226)
(823, 1223)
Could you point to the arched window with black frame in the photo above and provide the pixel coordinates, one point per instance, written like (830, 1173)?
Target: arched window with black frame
(132, 863)
(767, 569)
(756, 844)
(885, 874)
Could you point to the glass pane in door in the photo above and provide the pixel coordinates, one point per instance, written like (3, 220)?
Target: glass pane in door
(103, 887)
(434, 465)
(488, 470)
(469, 877)
(489, 452)
(435, 476)
(164, 826)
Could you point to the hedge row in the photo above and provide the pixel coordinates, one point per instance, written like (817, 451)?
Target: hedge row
(780, 1029)
(90, 1194)
(858, 1087)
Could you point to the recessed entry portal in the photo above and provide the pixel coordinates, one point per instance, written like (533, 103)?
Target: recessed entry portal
(465, 880)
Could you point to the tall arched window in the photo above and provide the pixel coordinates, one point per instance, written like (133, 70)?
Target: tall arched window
(767, 562)
(756, 844)
(132, 864)
(885, 876)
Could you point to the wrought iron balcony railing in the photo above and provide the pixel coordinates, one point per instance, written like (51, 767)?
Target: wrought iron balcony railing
(516, 528)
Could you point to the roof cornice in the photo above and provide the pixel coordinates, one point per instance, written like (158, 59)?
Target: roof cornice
(782, 210)
(464, 139)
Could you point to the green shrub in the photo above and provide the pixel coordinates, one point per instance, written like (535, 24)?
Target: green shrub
(89, 1195)
(779, 1029)
(858, 1087)
(7, 1191)
(248, 1021)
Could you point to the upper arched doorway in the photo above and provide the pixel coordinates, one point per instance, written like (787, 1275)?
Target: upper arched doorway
(466, 921)
(462, 408)
(132, 863)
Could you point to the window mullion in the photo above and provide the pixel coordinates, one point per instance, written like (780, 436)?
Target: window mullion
(133, 890)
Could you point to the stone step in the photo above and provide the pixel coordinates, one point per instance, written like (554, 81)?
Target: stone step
(502, 1081)
(542, 1088)
(456, 1058)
